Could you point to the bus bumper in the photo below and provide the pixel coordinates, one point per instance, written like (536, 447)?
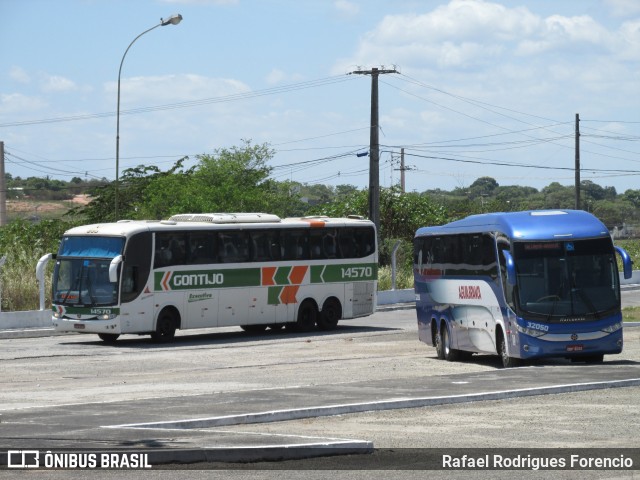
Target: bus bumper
(532, 347)
(86, 326)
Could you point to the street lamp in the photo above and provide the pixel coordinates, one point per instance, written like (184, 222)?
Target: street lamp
(172, 20)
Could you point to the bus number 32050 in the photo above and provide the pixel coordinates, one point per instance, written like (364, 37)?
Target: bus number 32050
(357, 272)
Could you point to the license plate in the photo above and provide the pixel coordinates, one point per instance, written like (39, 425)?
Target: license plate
(78, 326)
(574, 348)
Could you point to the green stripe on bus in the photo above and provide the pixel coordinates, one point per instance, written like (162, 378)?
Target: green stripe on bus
(199, 279)
(251, 277)
(273, 295)
(281, 276)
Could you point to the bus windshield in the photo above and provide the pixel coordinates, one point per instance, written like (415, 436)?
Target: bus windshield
(559, 279)
(81, 273)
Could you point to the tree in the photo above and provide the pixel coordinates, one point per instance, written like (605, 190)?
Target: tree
(483, 186)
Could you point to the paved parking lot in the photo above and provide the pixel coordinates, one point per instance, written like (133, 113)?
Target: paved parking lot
(368, 384)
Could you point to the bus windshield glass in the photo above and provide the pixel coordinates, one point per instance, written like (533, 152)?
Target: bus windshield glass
(81, 273)
(560, 279)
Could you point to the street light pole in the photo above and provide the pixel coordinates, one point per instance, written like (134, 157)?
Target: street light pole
(172, 20)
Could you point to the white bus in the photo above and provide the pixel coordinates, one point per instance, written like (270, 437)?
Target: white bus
(252, 270)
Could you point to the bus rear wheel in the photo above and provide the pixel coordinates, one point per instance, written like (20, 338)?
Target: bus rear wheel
(307, 316)
(450, 354)
(330, 315)
(165, 327)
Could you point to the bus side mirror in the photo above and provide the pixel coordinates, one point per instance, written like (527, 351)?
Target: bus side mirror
(113, 269)
(510, 266)
(627, 263)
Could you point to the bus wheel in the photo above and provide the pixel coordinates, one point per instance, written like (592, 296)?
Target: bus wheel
(330, 315)
(598, 358)
(437, 342)
(165, 328)
(307, 316)
(507, 361)
(253, 328)
(450, 354)
(108, 337)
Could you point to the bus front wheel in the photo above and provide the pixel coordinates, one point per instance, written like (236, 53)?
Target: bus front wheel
(253, 328)
(108, 337)
(165, 327)
(437, 342)
(507, 361)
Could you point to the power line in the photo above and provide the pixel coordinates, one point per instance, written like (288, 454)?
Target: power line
(193, 103)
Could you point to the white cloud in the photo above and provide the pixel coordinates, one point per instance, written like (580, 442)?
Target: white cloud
(472, 34)
(623, 8)
(56, 83)
(277, 76)
(160, 90)
(18, 103)
(346, 8)
(19, 75)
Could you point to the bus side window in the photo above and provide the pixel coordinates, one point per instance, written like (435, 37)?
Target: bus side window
(347, 242)
(315, 244)
(233, 246)
(202, 248)
(265, 245)
(330, 243)
(296, 245)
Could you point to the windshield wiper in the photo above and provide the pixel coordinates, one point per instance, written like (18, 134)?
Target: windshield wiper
(72, 287)
(587, 301)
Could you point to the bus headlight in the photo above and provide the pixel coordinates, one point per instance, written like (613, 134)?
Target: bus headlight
(56, 315)
(613, 328)
(107, 316)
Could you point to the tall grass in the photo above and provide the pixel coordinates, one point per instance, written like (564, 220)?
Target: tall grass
(20, 289)
(24, 243)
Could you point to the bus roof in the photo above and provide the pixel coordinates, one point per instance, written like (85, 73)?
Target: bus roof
(207, 221)
(526, 225)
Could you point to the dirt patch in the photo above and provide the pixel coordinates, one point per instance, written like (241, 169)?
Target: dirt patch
(36, 207)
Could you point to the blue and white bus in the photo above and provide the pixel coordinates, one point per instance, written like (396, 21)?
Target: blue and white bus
(523, 285)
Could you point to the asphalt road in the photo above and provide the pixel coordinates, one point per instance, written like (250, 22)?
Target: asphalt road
(46, 380)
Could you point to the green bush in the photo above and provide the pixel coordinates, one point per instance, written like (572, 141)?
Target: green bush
(24, 243)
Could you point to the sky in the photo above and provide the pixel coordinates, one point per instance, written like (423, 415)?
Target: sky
(480, 88)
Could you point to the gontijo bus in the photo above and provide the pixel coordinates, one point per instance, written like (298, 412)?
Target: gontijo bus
(252, 270)
(522, 285)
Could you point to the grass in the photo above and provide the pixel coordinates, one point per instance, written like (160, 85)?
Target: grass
(631, 314)
(404, 278)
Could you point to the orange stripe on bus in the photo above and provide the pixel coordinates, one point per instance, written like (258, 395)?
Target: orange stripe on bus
(288, 294)
(267, 275)
(297, 274)
(314, 223)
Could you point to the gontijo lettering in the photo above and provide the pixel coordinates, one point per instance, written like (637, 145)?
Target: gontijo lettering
(198, 279)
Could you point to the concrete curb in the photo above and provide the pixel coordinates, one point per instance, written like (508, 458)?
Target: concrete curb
(391, 404)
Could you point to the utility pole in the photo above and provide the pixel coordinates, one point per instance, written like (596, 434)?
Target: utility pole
(374, 146)
(402, 169)
(577, 161)
(3, 189)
